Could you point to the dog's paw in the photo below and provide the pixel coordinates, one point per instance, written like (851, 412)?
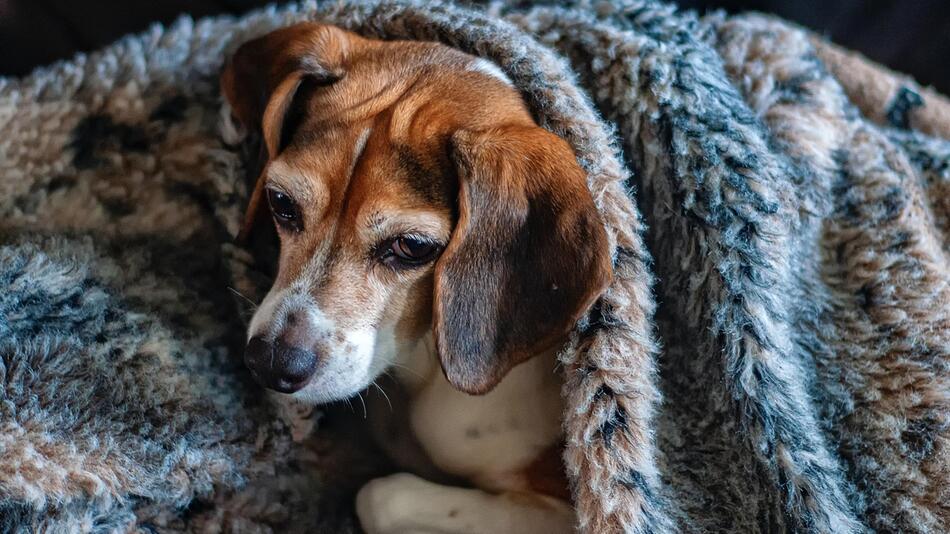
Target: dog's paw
(384, 505)
(404, 504)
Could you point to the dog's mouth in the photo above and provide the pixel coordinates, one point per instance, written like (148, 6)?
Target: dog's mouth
(278, 365)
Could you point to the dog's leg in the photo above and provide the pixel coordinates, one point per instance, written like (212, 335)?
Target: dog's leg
(404, 504)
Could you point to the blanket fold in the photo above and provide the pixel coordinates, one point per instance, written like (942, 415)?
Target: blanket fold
(772, 355)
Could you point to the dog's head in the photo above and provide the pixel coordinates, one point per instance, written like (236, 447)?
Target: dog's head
(412, 193)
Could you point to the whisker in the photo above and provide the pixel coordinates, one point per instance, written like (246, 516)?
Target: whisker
(381, 390)
(363, 402)
(407, 368)
(238, 293)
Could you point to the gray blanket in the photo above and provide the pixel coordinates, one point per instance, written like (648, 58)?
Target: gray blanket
(773, 354)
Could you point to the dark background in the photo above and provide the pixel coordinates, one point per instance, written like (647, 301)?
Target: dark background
(911, 36)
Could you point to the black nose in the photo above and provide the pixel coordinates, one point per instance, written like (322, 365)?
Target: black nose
(279, 366)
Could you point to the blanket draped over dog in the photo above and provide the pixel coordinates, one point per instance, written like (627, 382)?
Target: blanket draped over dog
(773, 353)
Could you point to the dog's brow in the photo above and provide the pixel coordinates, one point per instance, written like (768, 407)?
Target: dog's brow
(432, 224)
(293, 182)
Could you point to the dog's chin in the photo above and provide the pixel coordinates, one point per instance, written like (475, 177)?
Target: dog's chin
(315, 395)
(329, 387)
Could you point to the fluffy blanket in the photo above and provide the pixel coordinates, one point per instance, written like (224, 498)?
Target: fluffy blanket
(773, 355)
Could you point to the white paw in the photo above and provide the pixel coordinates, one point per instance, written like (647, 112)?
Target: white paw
(384, 505)
(406, 504)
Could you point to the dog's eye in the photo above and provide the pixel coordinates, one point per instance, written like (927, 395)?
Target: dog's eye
(413, 250)
(284, 208)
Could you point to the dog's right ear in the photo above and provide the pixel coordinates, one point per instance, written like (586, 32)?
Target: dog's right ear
(263, 76)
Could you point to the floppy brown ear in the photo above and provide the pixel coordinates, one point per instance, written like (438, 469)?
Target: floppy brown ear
(528, 256)
(263, 76)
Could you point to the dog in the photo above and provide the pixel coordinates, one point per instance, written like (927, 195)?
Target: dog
(428, 227)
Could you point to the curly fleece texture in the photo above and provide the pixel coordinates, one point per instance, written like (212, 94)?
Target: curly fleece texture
(772, 355)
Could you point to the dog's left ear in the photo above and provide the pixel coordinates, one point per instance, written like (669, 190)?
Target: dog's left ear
(264, 75)
(528, 256)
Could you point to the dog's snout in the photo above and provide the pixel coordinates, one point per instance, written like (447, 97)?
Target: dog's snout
(279, 365)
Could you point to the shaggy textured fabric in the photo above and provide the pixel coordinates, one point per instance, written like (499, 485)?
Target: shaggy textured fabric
(773, 354)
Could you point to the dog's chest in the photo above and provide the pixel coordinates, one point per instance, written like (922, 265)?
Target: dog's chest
(490, 438)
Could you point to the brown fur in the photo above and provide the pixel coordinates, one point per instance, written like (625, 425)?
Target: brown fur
(547, 476)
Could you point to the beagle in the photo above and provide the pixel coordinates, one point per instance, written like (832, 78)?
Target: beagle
(430, 228)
